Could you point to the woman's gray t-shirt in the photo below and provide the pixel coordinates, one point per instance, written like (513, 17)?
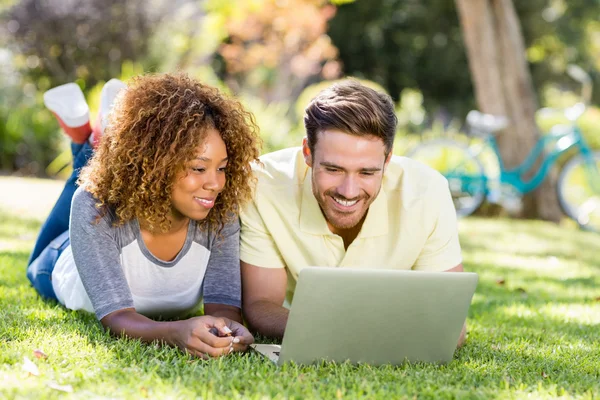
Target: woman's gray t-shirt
(108, 268)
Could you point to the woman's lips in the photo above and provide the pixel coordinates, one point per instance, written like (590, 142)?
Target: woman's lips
(206, 202)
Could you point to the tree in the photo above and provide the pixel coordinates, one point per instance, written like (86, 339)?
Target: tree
(503, 86)
(274, 49)
(418, 44)
(406, 44)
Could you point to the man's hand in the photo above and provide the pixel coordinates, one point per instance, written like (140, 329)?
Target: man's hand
(208, 336)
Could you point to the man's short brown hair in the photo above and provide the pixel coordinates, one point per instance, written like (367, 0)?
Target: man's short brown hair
(352, 108)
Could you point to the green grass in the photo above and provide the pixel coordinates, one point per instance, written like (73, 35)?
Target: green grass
(533, 332)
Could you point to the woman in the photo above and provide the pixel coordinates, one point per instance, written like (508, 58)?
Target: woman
(153, 226)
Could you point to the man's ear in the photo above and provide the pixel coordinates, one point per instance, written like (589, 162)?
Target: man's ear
(306, 153)
(387, 160)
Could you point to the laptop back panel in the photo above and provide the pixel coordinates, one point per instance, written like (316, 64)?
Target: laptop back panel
(376, 316)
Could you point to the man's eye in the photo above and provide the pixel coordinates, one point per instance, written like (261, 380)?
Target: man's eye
(367, 173)
(331, 169)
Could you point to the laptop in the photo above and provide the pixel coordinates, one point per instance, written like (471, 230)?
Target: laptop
(374, 316)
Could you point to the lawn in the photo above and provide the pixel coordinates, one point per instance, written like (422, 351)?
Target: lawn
(533, 329)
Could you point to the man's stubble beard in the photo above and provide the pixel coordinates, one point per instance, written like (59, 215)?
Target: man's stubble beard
(329, 213)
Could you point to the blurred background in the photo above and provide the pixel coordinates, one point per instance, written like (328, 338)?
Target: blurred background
(438, 59)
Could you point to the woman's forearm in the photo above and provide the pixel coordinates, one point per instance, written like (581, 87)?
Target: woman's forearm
(132, 324)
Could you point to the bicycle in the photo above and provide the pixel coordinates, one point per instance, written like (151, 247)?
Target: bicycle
(578, 186)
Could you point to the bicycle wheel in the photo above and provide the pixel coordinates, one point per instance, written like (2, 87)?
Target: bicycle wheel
(578, 191)
(464, 172)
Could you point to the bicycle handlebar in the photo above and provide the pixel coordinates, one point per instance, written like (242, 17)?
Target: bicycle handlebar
(578, 74)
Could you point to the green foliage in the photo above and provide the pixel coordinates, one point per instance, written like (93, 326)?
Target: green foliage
(411, 44)
(28, 138)
(406, 44)
(62, 43)
(277, 129)
(412, 49)
(532, 333)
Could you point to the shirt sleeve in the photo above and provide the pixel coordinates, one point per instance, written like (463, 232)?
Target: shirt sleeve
(257, 246)
(97, 257)
(442, 248)
(222, 281)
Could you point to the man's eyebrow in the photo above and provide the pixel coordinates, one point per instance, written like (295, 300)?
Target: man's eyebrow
(329, 164)
(206, 159)
(332, 165)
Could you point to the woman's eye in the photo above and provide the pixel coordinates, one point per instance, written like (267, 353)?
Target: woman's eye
(198, 169)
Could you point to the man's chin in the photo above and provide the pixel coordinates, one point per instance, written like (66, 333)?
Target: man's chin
(343, 223)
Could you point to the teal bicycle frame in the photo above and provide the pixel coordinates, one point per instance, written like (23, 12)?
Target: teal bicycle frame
(558, 142)
(470, 183)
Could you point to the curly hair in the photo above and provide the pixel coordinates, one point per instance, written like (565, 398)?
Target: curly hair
(154, 129)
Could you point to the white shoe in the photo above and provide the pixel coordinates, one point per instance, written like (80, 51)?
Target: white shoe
(109, 92)
(68, 104)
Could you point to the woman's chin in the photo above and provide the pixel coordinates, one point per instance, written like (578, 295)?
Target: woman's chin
(198, 215)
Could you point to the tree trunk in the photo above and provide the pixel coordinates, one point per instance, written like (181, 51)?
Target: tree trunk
(502, 82)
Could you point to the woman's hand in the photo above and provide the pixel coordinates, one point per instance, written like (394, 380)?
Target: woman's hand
(209, 336)
(204, 337)
(240, 332)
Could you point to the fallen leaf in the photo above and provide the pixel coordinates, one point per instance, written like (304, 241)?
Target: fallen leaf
(144, 392)
(544, 375)
(597, 298)
(39, 354)
(500, 281)
(30, 367)
(62, 388)
(522, 291)
(495, 347)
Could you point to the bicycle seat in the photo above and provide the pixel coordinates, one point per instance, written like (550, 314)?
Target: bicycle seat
(574, 112)
(486, 123)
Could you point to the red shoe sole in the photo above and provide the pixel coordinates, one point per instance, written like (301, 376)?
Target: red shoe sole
(78, 134)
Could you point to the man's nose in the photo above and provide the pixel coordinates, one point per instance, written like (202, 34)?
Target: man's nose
(349, 188)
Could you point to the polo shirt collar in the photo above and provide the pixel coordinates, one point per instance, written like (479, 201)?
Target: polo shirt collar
(376, 223)
(313, 222)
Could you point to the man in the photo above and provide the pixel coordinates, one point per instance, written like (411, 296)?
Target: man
(341, 200)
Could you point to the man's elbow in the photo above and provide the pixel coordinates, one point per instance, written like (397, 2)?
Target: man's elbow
(250, 312)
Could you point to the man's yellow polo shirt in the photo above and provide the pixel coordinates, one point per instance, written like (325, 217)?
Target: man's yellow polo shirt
(410, 225)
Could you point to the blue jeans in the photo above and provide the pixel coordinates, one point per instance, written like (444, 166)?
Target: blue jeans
(54, 235)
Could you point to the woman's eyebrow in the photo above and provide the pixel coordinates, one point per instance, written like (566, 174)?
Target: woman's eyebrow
(210, 159)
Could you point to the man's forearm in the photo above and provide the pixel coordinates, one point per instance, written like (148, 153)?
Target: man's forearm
(266, 318)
